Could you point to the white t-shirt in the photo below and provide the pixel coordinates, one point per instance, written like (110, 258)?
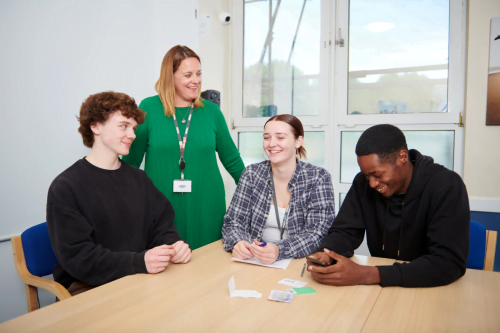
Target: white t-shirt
(271, 232)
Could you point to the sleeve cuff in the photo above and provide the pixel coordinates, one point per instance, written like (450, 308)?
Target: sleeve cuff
(140, 263)
(390, 276)
(281, 250)
(231, 242)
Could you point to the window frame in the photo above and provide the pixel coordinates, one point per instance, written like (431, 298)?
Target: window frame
(334, 119)
(456, 75)
(317, 121)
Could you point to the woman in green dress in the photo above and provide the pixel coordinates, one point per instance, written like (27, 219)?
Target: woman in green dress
(199, 212)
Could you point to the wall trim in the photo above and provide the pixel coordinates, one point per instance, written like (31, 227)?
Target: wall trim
(6, 238)
(490, 205)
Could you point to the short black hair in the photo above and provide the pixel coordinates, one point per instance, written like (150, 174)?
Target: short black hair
(384, 140)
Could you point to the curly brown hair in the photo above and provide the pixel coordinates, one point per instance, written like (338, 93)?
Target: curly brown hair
(97, 109)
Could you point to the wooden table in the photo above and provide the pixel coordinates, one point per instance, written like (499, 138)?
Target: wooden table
(195, 297)
(471, 304)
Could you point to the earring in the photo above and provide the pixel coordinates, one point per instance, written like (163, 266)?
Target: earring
(297, 155)
(264, 156)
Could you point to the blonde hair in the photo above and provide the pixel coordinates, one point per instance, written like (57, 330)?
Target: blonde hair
(165, 84)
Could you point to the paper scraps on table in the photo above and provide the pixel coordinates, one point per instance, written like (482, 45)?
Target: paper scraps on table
(241, 293)
(293, 283)
(281, 296)
(281, 264)
(302, 291)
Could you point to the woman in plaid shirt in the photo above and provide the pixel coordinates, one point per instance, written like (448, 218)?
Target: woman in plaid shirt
(303, 192)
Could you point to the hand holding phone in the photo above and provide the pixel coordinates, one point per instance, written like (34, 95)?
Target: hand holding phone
(316, 261)
(319, 262)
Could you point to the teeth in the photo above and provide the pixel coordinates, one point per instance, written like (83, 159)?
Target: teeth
(381, 189)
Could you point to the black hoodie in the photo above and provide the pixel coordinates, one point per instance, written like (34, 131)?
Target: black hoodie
(429, 226)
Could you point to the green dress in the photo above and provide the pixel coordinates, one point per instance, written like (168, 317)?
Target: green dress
(198, 215)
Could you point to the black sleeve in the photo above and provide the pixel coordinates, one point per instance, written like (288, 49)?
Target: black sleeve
(348, 229)
(448, 242)
(163, 230)
(71, 238)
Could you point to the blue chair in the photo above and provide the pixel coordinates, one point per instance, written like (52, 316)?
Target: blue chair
(34, 258)
(482, 247)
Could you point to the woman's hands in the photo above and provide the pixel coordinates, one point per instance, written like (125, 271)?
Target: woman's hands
(241, 250)
(266, 254)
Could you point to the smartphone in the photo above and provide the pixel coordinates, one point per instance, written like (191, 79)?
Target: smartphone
(319, 262)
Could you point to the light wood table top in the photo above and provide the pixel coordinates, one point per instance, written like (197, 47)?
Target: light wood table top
(471, 304)
(195, 297)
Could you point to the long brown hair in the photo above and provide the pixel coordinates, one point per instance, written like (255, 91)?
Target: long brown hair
(165, 84)
(297, 129)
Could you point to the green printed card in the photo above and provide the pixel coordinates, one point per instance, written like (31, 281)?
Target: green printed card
(302, 291)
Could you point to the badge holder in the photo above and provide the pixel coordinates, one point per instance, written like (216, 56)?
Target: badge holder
(182, 185)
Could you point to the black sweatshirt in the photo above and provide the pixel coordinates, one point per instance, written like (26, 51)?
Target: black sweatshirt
(429, 226)
(102, 222)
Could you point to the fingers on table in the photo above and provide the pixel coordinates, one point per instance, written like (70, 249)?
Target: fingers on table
(242, 250)
(157, 269)
(182, 256)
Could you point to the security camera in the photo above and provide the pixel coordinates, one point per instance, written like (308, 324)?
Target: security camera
(224, 18)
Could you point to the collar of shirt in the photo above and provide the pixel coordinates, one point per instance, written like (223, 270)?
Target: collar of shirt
(293, 181)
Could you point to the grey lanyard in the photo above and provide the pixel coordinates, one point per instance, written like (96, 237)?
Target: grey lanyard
(182, 142)
(285, 217)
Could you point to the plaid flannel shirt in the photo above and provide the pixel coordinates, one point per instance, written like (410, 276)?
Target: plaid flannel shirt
(312, 209)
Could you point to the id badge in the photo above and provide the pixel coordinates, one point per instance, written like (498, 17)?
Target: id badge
(182, 186)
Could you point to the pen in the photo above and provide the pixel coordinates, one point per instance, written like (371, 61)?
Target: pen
(263, 244)
(302, 274)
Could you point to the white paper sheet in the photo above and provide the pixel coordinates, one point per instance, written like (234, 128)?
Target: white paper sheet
(293, 283)
(241, 293)
(281, 264)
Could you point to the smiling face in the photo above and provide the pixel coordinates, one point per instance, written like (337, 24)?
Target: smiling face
(116, 135)
(279, 142)
(387, 177)
(187, 81)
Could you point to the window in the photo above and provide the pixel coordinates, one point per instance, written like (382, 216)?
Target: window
(282, 60)
(439, 144)
(398, 56)
(402, 63)
(343, 66)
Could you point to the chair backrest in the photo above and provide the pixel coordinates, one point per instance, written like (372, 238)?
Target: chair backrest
(477, 246)
(38, 253)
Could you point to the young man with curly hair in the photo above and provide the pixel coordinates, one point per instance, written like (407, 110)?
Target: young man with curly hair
(105, 217)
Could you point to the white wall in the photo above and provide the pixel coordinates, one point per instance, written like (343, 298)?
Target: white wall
(53, 55)
(215, 54)
(482, 156)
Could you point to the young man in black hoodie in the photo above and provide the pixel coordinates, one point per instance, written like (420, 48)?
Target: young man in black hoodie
(411, 208)
(106, 219)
